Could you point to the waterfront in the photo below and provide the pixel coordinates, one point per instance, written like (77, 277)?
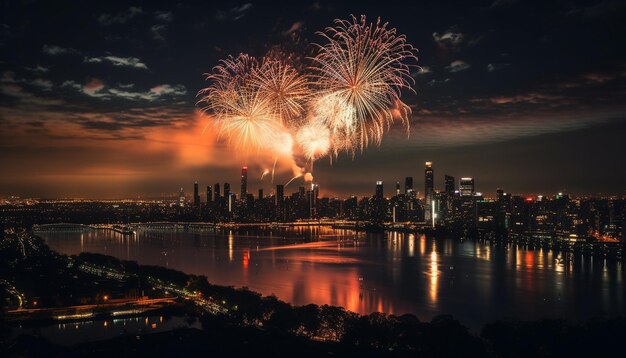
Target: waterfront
(70, 333)
(392, 273)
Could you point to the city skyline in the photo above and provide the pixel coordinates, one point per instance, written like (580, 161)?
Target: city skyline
(110, 112)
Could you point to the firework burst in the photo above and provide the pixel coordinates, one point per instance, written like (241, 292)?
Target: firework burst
(284, 88)
(363, 67)
(242, 113)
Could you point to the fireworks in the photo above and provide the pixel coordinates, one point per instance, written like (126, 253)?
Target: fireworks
(241, 112)
(314, 139)
(347, 99)
(362, 67)
(284, 88)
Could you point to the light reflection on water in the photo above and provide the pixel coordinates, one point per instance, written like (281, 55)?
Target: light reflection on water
(392, 273)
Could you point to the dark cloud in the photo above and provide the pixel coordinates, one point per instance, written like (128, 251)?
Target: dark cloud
(234, 13)
(164, 16)
(458, 66)
(118, 61)
(57, 50)
(121, 17)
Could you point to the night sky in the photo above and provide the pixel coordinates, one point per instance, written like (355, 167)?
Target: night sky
(98, 99)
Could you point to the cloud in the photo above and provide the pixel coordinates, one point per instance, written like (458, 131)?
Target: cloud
(93, 88)
(491, 67)
(449, 38)
(57, 50)
(234, 13)
(294, 28)
(37, 68)
(25, 97)
(163, 16)
(454, 40)
(458, 66)
(153, 94)
(118, 61)
(42, 83)
(9, 77)
(158, 32)
(534, 98)
(177, 90)
(121, 17)
(96, 88)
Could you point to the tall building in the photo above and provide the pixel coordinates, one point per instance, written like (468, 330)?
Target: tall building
(313, 196)
(280, 202)
(216, 188)
(378, 194)
(429, 190)
(209, 194)
(196, 194)
(397, 188)
(226, 191)
(378, 212)
(181, 198)
(244, 182)
(450, 185)
(466, 186)
(408, 185)
(260, 194)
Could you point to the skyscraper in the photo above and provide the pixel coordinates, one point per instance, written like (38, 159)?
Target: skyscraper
(280, 202)
(226, 191)
(181, 198)
(429, 189)
(397, 188)
(466, 186)
(378, 194)
(217, 192)
(450, 185)
(209, 194)
(260, 194)
(196, 194)
(408, 185)
(244, 182)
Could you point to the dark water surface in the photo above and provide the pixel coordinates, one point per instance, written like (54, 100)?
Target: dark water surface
(392, 273)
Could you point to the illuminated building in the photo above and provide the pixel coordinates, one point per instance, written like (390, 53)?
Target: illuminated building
(244, 182)
(378, 194)
(466, 186)
(429, 188)
(397, 188)
(408, 185)
(181, 198)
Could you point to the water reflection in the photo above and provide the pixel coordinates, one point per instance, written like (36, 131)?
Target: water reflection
(434, 275)
(392, 273)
